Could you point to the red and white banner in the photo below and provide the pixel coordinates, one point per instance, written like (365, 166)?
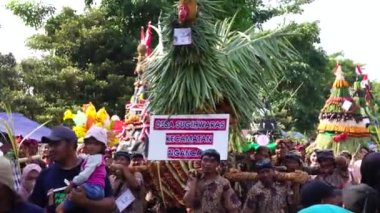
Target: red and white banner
(184, 137)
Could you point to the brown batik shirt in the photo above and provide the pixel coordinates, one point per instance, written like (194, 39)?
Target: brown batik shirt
(215, 195)
(119, 186)
(262, 199)
(338, 179)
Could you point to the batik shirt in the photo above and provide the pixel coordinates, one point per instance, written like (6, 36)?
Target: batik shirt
(338, 179)
(119, 186)
(261, 199)
(215, 195)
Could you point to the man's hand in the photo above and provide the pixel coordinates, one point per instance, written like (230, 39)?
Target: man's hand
(51, 197)
(193, 179)
(69, 188)
(78, 196)
(116, 166)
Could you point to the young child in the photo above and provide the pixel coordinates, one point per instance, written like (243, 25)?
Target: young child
(93, 172)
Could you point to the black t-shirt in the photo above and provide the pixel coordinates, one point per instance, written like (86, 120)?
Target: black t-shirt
(53, 178)
(26, 208)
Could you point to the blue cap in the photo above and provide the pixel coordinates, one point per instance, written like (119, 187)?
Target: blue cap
(122, 154)
(263, 164)
(60, 133)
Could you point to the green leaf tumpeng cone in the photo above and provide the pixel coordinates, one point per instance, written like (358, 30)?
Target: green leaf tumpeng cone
(220, 72)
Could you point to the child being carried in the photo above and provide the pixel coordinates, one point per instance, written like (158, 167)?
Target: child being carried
(93, 170)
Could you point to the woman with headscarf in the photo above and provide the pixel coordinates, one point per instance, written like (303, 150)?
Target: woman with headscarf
(365, 197)
(10, 201)
(29, 176)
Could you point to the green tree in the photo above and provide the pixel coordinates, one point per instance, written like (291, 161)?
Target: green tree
(299, 96)
(32, 13)
(90, 60)
(14, 92)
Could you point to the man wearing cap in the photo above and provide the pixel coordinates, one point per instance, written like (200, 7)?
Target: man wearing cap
(124, 180)
(10, 201)
(333, 170)
(293, 162)
(137, 159)
(62, 150)
(210, 192)
(266, 195)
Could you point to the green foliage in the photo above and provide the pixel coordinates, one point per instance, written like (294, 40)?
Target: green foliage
(220, 65)
(32, 13)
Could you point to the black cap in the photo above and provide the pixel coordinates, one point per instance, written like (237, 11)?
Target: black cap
(122, 154)
(60, 133)
(325, 155)
(137, 155)
(211, 153)
(293, 156)
(263, 164)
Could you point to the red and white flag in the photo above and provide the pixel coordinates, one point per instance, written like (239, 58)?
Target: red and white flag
(358, 70)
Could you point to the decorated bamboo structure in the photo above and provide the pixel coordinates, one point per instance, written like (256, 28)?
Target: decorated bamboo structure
(342, 126)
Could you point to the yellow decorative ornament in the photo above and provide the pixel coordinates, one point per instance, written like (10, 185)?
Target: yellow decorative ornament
(91, 111)
(80, 131)
(101, 116)
(68, 115)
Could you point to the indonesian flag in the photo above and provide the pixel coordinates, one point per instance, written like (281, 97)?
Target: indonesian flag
(358, 70)
(146, 38)
(365, 81)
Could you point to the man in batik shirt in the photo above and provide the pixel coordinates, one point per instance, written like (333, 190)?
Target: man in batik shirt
(333, 171)
(266, 196)
(209, 192)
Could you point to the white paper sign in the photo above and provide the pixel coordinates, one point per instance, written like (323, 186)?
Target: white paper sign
(184, 137)
(182, 36)
(347, 105)
(124, 200)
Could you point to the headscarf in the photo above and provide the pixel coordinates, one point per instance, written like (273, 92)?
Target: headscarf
(29, 168)
(370, 170)
(360, 198)
(6, 175)
(26, 186)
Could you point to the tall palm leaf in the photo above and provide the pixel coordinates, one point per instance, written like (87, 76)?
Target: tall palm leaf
(8, 126)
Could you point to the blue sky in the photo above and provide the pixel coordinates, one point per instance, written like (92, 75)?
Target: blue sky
(346, 25)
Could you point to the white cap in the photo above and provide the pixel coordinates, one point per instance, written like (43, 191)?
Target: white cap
(99, 133)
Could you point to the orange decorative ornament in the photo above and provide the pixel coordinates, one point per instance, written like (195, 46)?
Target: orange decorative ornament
(187, 11)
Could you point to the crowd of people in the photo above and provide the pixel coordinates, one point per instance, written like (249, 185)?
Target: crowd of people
(95, 179)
